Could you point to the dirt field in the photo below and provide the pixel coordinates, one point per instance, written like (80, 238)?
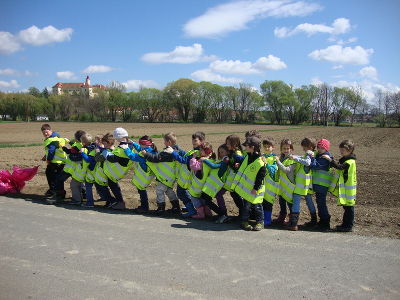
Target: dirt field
(377, 150)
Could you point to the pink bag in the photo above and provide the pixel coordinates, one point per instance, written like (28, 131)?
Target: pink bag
(14, 183)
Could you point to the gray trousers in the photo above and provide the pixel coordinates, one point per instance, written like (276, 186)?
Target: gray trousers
(76, 190)
(162, 190)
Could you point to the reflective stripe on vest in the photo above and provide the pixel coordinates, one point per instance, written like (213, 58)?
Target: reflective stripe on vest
(348, 190)
(286, 187)
(141, 179)
(322, 177)
(197, 184)
(89, 175)
(99, 175)
(164, 171)
(213, 184)
(115, 171)
(245, 179)
(271, 189)
(303, 180)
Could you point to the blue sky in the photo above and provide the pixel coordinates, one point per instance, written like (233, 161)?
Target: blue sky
(151, 43)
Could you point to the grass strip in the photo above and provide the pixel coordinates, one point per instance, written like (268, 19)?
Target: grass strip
(20, 145)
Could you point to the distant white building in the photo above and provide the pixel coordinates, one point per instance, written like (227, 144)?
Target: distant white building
(84, 88)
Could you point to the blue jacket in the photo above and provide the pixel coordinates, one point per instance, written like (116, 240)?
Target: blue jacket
(88, 158)
(319, 163)
(136, 157)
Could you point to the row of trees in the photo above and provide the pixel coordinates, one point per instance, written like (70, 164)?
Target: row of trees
(185, 100)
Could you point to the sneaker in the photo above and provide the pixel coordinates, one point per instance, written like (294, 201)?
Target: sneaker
(48, 193)
(75, 202)
(175, 211)
(246, 226)
(86, 205)
(51, 201)
(141, 210)
(258, 227)
(222, 219)
(341, 228)
(119, 205)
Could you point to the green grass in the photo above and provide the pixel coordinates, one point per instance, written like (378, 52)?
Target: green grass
(20, 145)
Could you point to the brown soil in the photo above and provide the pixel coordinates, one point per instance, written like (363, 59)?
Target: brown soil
(377, 150)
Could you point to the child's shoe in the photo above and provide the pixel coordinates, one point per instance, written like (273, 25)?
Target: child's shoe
(343, 228)
(49, 193)
(293, 220)
(141, 210)
(246, 226)
(87, 205)
(176, 209)
(119, 205)
(200, 213)
(324, 225)
(222, 219)
(312, 223)
(207, 211)
(75, 202)
(258, 227)
(280, 221)
(191, 211)
(160, 209)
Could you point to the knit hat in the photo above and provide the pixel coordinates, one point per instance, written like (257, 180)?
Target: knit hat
(325, 144)
(120, 133)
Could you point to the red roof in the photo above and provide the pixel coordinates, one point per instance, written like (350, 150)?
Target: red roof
(69, 85)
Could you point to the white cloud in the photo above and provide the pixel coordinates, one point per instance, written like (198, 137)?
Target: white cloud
(238, 67)
(33, 35)
(209, 75)
(339, 26)
(97, 69)
(342, 42)
(13, 84)
(337, 67)
(343, 55)
(316, 81)
(68, 75)
(369, 72)
(8, 43)
(180, 55)
(12, 72)
(37, 37)
(234, 16)
(137, 84)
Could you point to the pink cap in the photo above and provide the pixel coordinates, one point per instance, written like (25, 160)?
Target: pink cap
(323, 143)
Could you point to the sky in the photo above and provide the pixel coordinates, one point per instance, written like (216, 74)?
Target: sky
(152, 43)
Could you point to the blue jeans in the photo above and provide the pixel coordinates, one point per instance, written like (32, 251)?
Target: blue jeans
(257, 210)
(89, 193)
(297, 200)
(320, 194)
(182, 194)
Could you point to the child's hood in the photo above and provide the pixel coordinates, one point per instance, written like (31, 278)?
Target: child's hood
(54, 134)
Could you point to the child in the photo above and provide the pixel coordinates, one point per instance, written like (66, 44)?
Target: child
(287, 175)
(303, 184)
(215, 182)
(200, 172)
(184, 176)
(321, 180)
(73, 162)
(142, 174)
(251, 133)
(88, 164)
(117, 165)
(163, 166)
(55, 156)
(347, 185)
(271, 180)
(233, 143)
(249, 184)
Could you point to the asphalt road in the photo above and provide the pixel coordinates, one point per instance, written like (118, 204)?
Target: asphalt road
(50, 252)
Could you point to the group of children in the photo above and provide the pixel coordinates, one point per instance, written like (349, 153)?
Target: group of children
(253, 175)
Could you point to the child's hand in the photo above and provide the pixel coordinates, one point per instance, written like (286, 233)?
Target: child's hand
(82, 150)
(291, 156)
(326, 157)
(276, 158)
(253, 192)
(124, 146)
(144, 152)
(236, 165)
(169, 149)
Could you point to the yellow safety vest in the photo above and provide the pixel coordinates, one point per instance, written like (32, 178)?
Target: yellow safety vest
(114, 170)
(214, 183)
(303, 180)
(245, 178)
(197, 184)
(141, 179)
(347, 191)
(59, 156)
(271, 184)
(165, 172)
(231, 174)
(183, 174)
(74, 166)
(286, 187)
